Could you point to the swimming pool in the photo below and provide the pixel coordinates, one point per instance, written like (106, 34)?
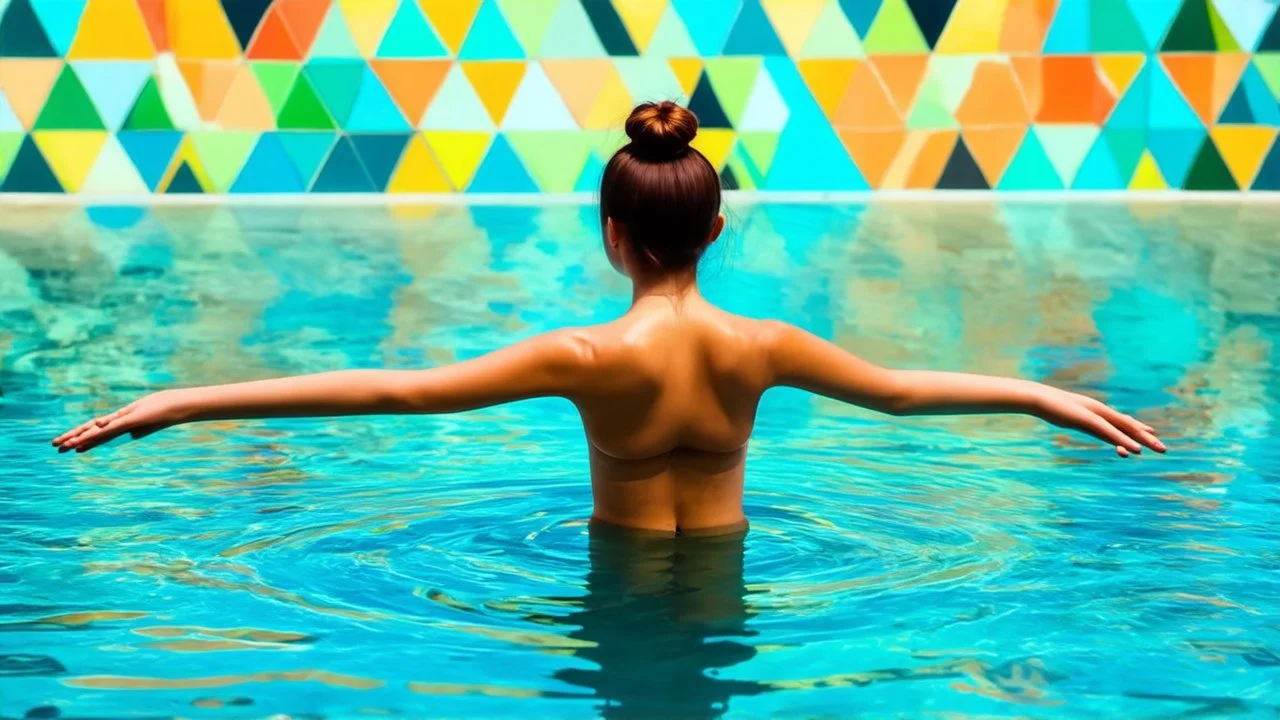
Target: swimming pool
(440, 565)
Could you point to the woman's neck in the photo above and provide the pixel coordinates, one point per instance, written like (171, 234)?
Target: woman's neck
(678, 285)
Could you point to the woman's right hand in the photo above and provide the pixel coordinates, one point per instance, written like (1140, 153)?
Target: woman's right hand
(1092, 417)
(140, 418)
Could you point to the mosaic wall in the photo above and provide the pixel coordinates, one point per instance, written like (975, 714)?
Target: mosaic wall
(129, 97)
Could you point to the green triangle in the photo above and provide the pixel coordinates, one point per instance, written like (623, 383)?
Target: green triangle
(570, 34)
(760, 148)
(1209, 172)
(9, 144)
(895, 31)
(733, 78)
(303, 110)
(1222, 36)
(832, 37)
(929, 111)
(1192, 29)
(223, 154)
(148, 111)
(553, 158)
(1268, 65)
(334, 39)
(529, 20)
(68, 106)
(671, 37)
(276, 79)
(1112, 27)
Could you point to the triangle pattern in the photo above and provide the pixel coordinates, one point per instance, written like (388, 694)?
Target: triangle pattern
(1192, 74)
(609, 28)
(60, 20)
(9, 122)
(733, 79)
(993, 149)
(1174, 151)
(529, 20)
(1098, 170)
(459, 154)
(268, 170)
(150, 152)
(708, 22)
(451, 19)
(752, 33)
(374, 111)
(1069, 32)
(1147, 175)
(873, 151)
(569, 34)
(1245, 19)
(1270, 40)
(1066, 147)
(303, 19)
(706, 106)
(640, 17)
(69, 106)
(338, 83)
(244, 17)
(333, 39)
(552, 158)
(932, 17)
(199, 31)
(26, 83)
(1268, 177)
(379, 153)
(1113, 28)
(343, 172)
(1030, 168)
(71, 154)
(490, 38)
(1209, 171)
(1243, 149)
(277, 80)
(670, 39)
(502, 171)
(495, 84)
(22, 34)
(961, 171)
(895, 31)
(367, 21)
(832, 36)
(410, 36)
(113, 87)
(113, 173)
(418, 171)
(29, 172)
(1154, 18)
(456, 107)
(411, 83)
(303, 109)
(184, 182)
(273, 41)
(861, 14)
(223, 154)
(765, 110)
(1252, 102)
(537, 105)
(307, 151)
(149, 112)
(1168, 109)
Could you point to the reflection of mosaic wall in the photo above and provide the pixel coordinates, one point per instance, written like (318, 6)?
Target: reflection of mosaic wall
(285, 96)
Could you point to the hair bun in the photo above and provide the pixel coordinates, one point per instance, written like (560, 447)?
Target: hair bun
(661, 131)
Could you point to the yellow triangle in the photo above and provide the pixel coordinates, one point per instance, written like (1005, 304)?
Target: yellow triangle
(451, 19)
(1147, 175)
(641, 18)
(793, 20)
(715, 143)
(495, 82)
(199, 29)
(1243, 148)
(1120, 70)
(459, 152)
(187, 153)
(612, 104)
(418, 171)
(973, 27)
(71, 153)
(827, 80)
(368, 20)
(112, 30)
(687, 71)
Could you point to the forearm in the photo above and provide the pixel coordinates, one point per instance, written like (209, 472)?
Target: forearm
(345, 392)
(924, 392)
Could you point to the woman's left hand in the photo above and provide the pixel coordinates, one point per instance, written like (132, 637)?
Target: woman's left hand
(139, 419)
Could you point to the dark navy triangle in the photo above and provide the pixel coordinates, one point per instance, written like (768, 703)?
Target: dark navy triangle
(343, 171)
(1270, 41)
(380, 153)
(21, 34)
(609, 28)
(962, 173)
(184, 182)
(30, 172)
(706, 105)
(728, 180)
(244, 16)
(1237, 111)
(932, 16)
(1268, 177)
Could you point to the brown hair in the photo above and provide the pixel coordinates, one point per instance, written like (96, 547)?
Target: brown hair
(665, 193)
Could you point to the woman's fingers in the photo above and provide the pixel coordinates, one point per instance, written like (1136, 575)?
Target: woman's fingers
(1130, 425)
(1097, 426)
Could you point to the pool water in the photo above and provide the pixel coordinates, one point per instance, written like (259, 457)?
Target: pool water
(441, 566)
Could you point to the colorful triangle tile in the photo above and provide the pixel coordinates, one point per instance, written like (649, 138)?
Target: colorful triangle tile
(303, 18)
(9, 121)
(824, 164)
(1154, 18)
(418, 171)
(994, 98)
(1268, 177)
(873, 151)
(150, 152)
(971, 26)
(648, 77)
(459, 153)
(343, 172)
(1192, 74)
(765, 110)
(1113, 28)
(1168, 109)
(1246, 19)
(732, 79)
(932, 16)
(29, 172)
(410, 35)
(367, 20)
(569, 34)
(1268, 65)
(706, 106)
(752, 33)
(303, 109)
(113, 173)
(153, 12)
(1030, 168)
(1066, 147)
(827, 80)
(60, 20)
(373, 110)
(1127, 146)
(592, 172)
(1243, 149)
(177, 97)
(832, 35)
(709, 22)
(245, 16)
(183, 182)
(1147, 175)
(894, 31)
(993, 149)
(529, 20)
(1270, 40)
(1252, 102)
(199, 30)
(537, 105)
(553, 158)
(456, 107)
(961, 172)
(451, 19)
(245, 107)
(411, 83)
(1098, 170)
(307, 151)
(1119, 70)
(760, 148)
(1208, 171)
(274, 41)
(1174, 151)
(495, 83)
(68, 106)
(333, 39)
(670, 38)
(501, 171)
(866, 103)
(640, 17)
(268, 169)
(490, 38)
(224, 154)
(113, 86)
(70, 154)
(25, 83)
(379, 153)
(22, 34)
(610, 29)
(337, 82)
(277, 79)
(149, 112)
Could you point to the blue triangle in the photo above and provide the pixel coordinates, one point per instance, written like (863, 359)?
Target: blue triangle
(268, 169)
(589, 178)
(502, 171)
(337, 82)
(1069, 31)
(61, 20)
(184, 182)
(410, 35)
(306, 150)
(1268, 177)
(343, 171)
(1263, 104)
(1131, 111)
(150, 151)
(861, 13)
(490, 38)
(1030, 168)
(1237, 110)
(8, 120)
(374, 110)
(1174, 150)
(29, 172)
(1098, 171)
(380, 153)
(1154, 18)
(1168, 110)
(113, 85)
(708, 22)
(753, 34)
(810, 155)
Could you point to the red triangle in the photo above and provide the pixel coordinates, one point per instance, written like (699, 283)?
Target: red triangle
(303, 18)
(153, 16)
(273, 41)
(411, 83)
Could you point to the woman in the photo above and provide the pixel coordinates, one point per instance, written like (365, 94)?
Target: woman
(668, 392)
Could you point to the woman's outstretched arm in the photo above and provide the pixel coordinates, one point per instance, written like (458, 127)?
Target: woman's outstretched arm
(547, 365)
(802, 360)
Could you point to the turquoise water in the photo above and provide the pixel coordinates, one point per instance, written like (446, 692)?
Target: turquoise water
(441, 566)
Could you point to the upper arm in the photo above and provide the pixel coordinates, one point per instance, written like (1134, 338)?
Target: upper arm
(803, 360)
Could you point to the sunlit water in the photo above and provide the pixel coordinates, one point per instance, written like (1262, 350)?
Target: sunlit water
(436, 566)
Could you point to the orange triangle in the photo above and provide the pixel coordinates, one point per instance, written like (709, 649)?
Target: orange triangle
(1193, 74)
(451, 19)
(1119, 70)
(927, 165)
(579, 82)
(687, 72)
(1024, 26)
(273, 41)
(412, 83)
(1028, 70)
(828, 80)
(153, 16)
(866, 103)
(994, 98)
(902, 75)
(245, 107)
(495, 82)
(26, 83)
(209, 81)
(873, 151)
(993, 148)
(303, 18)
(1227, 69)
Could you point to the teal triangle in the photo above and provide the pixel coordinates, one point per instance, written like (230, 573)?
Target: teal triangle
(22, 34)
(861, 14)
(150, 151)
(113, 86)
(184, 182)
(708, 22)
(1237, 110)
(61, 20)
(589, 178)
(380, 153)
(1098, 170)
(753, 34)
(1268, 177)
(337, 82)
(410, 35)
(1113, 29)
(1174, 150)
(343, 171)
(334, 39)
(9, 122)
(1069, 31)
(810, 155)
(1030, 168)
(490, 38)
(1168, 109)
(373, 109)
(29, 172)
(306, 150)
(268, 169)
(1253, 99)
(1131, 111)
(502, 171)
(1153, 18)
(1126, 147)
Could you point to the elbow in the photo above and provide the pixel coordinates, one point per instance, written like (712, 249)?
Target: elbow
(899, 400)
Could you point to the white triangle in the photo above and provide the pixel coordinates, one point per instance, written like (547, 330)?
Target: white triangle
(113, 173)
(456, 106)
(954, 75)
(649, 78)
(765, 110)
(8, 121)
(537, 105)
(832, 36)
(176, 95)
(671, 37)
(113, 85)
(1246, 19)
(570, 34)
(1066, 146)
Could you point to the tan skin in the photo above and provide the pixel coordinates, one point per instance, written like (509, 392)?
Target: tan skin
(667, 393)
